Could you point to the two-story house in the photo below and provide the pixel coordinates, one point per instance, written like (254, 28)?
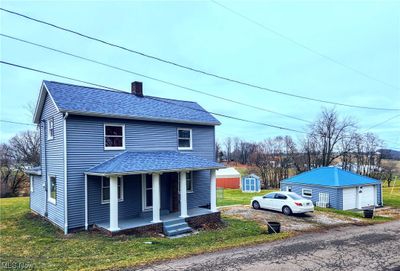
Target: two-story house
(123, 161)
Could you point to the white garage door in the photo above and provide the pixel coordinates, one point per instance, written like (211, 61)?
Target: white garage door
(349, 198)
(367, 197)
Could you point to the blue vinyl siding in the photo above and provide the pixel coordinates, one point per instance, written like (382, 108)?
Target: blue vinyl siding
(85, 149)
(38, 196)
(333, 192)
(52, 161)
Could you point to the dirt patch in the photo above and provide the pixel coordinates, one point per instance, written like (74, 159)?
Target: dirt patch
(388, 212)
(294, 223)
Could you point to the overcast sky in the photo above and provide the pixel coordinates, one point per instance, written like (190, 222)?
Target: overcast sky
(362, 35)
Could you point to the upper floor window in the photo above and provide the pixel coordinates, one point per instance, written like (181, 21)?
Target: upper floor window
(105, 189)
(50, 128)
(52, 189)
(114, 137)
(184, 139)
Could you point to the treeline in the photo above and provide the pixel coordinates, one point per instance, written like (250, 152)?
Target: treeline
(19, 153)
(330, 140)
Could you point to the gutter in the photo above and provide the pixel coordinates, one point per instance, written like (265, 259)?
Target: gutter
(65, 174)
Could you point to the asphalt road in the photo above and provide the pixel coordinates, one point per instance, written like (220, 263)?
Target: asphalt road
(355, 248)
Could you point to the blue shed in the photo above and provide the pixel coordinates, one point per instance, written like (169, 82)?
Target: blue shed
(336, 188)
(251, 183)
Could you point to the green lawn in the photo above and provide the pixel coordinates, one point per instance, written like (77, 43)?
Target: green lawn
(391, 196)
(236, 196)
(27, 239)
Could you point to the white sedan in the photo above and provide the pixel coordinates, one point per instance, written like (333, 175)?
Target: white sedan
(286, 202)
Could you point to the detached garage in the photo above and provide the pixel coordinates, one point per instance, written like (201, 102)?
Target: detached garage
(336, 188)
(228, 178)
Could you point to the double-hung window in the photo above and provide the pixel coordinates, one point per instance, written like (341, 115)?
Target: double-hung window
(147, 191)
(52, 189)
(189, 182)
(105, 189)
(184, 139)
(50, 128)
(114, 137)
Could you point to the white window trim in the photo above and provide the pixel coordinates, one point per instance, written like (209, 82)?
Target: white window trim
(120, 199)
(49, 136)
(191, 139)
(144, 199)
(49, 198)
(191, 181)
(302, 192)
(123, 136)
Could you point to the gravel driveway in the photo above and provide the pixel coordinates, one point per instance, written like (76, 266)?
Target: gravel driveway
(375, 247)
(294, 223)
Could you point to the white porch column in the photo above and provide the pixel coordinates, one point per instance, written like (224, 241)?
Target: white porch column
(213, 191)
(183, 194)
(114, 203)
(156, 197)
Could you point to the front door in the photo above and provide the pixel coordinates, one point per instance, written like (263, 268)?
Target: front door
(174, 192)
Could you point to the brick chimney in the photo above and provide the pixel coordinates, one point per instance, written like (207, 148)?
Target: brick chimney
(137, 88)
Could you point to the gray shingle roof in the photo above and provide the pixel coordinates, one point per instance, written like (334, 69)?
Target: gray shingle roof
(102, 102)
(152, 161)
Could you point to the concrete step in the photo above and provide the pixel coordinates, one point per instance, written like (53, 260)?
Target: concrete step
(175, 226)
(174, 221)
(179, 231)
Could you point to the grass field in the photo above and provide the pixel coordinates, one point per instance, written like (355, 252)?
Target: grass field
(27, 239)
(236, 196)
(391, 195)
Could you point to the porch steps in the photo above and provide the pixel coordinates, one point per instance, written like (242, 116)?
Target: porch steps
(176, 227)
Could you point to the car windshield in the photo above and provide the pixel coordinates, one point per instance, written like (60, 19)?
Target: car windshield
(294, 196)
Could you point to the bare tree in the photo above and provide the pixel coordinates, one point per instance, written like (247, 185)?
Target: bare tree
(228, 148)
(327, 132)
(20, 152)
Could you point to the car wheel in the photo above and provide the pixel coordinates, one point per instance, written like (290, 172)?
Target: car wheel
(256, 205)
(286, 210)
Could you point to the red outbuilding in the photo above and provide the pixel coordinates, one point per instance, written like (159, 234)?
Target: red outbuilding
(228, 178)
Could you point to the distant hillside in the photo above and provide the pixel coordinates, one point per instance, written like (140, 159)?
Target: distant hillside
(390, 154)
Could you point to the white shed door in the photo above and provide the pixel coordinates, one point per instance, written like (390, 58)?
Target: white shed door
(367, 197)
(349, 198)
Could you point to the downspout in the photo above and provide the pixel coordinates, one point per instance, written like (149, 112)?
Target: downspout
(381, 195)
(45, 165)
(65, 175)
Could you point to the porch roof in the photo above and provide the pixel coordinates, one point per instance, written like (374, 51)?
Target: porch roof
(130, 162)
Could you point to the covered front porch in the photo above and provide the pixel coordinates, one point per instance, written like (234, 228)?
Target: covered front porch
(152, 166)
(136, 222)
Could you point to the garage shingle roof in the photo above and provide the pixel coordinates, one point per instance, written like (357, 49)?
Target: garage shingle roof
(330, 176)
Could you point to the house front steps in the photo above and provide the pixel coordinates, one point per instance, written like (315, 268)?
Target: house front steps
(176, 227)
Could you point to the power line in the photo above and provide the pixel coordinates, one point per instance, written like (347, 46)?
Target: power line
(194, 69)
(283, 36)
(152, 78)
(154, 98)
(16, 122)
(383, 122)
